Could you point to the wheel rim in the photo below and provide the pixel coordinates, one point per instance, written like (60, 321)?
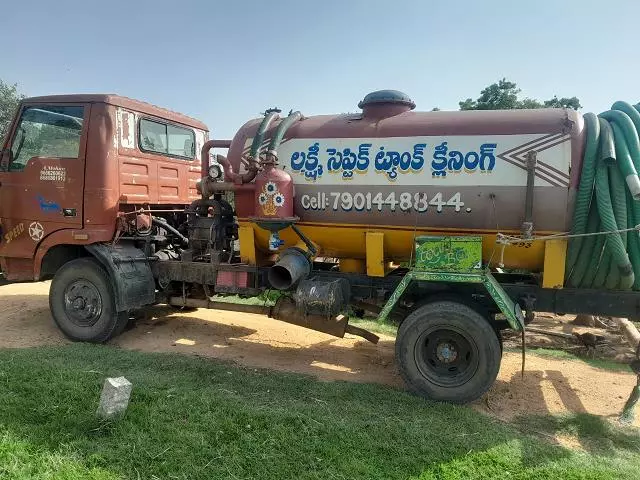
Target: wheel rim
(446, 356)
(82, 303)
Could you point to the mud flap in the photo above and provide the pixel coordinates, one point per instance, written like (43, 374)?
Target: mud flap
(130, 273)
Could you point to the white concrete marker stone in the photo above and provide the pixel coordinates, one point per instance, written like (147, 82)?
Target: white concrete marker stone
(114, 398)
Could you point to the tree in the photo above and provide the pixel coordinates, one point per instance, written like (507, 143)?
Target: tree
(504, 95)
(563, 102)
(9, 99)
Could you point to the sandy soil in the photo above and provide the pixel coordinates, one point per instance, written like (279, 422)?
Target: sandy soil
(548, 386)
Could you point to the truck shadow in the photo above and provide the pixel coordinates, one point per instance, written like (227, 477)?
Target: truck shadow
(538, 391)
(592, 433)
(257, 341)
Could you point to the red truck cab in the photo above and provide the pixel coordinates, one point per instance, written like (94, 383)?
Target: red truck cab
(72, 164)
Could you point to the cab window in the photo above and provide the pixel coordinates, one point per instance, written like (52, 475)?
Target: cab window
(166, 139)
(46, 131)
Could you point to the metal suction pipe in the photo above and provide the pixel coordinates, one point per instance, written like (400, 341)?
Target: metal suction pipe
(229, 174)
(293, 266)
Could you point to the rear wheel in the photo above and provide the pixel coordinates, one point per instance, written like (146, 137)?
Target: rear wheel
(82, 302)
(448, 352)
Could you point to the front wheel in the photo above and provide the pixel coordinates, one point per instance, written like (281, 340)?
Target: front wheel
(448, 352)
(82, 302)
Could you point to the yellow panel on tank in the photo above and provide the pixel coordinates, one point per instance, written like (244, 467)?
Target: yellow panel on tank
(374, 247)
(555, 254)
(247, 244)
(349, 241)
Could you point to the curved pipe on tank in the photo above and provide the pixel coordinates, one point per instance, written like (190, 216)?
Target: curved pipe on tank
(229, 173)
(276, 140)
(204, 153)
(259, 136)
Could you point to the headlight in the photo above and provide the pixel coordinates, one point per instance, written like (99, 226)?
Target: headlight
(215, 172)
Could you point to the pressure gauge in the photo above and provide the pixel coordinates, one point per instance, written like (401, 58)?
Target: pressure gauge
(215, 172)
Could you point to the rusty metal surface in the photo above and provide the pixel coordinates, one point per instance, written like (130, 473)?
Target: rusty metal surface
(32, 202)
(337, 225)
(273, 194)
(415, 123)
(197, 272)
(80, 202)
(286, 310)
(323, 297)
(120, 101)
(411, 123)
(230, 174)
(361, 332)
(204, 303)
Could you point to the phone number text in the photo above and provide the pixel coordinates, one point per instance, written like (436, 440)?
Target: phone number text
(378, 201)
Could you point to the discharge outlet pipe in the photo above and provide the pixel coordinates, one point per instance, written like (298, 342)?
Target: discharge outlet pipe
(292, 266)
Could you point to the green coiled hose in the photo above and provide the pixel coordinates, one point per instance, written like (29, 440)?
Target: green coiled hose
(607, 201)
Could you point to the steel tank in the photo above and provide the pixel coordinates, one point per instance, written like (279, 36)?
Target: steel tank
(404, 173)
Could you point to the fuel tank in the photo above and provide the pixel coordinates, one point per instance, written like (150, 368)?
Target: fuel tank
(401, 172)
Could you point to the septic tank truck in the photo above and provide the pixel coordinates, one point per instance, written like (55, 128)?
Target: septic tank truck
(454, 225)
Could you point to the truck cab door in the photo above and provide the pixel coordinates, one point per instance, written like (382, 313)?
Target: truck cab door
(41, 178)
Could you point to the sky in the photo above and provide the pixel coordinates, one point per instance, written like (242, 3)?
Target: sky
(225, 62)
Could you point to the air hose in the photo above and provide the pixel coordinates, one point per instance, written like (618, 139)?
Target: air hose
(608, 202)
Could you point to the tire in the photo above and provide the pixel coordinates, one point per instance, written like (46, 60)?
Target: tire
(448, 352)
(82, 302)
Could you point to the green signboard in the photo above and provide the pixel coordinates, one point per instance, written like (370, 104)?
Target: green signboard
(448, 254)
(454, 260)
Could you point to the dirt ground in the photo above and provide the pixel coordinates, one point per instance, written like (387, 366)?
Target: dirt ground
(549, 385)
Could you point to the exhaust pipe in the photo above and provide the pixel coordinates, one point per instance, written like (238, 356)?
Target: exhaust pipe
(286, 310)
(293, 266)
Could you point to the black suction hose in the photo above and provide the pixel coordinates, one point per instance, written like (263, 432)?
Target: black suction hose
(161, 223)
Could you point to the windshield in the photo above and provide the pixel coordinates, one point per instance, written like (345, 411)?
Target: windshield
(47, 131)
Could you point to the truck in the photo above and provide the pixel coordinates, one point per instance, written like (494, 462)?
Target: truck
(454, 225)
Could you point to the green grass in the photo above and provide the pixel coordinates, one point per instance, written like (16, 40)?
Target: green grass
(267, 298)
(594, 433)
(198, 418)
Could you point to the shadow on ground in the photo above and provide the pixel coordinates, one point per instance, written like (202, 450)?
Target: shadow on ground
(549, 385)
(594, 434)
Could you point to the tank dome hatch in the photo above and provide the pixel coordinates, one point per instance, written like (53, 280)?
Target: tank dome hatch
(388, 97)
(383, 104)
